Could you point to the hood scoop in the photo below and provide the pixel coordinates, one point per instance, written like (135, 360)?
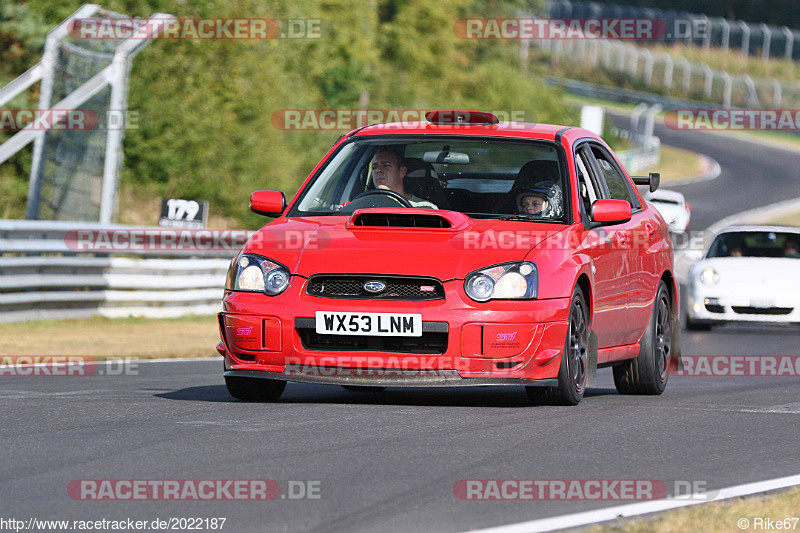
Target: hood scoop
(408, 218)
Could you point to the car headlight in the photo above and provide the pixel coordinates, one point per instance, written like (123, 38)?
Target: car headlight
(253, 273)
(518, 280)
(709, 276)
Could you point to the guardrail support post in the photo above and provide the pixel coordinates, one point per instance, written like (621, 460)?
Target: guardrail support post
(669, 66)
(727, 90)
(726, 34)
(766, 40)
(745, 38)
(709, 80)
(776, 93)
(789, 42)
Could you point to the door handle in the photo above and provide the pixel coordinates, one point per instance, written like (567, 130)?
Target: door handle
(651, 230)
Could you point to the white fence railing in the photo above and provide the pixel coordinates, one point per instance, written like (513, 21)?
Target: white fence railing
(699, 29)
(42, 277)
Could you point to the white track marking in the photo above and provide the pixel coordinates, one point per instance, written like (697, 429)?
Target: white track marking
(636, 509)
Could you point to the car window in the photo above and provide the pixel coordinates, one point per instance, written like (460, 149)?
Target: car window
(755, 244)
(613, 177)
(482, 178)
(586, 187)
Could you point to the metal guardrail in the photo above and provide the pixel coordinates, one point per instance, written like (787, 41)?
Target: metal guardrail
(42, 277)
(752, 39)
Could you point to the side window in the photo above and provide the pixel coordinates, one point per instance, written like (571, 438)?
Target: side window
(615, 181)
(585, 186)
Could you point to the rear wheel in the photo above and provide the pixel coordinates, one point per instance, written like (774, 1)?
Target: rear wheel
(254, 389)
(649, 372)
(574, 367)
(362, 388)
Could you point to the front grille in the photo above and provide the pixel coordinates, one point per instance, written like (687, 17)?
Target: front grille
(432, 341)
(397, 287)
(745, 310)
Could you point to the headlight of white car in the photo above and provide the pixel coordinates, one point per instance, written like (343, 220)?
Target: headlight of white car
(517, 280)
(253, 273)
(709, 276)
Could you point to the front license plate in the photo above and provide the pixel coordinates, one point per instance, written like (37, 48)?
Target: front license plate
(376, 324)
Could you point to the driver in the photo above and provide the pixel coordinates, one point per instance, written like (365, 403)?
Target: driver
(388, 171)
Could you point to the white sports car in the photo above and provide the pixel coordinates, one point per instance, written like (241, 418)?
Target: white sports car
(749, 273)
(673, 207)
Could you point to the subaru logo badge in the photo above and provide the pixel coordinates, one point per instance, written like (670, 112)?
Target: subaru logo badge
(374, 287)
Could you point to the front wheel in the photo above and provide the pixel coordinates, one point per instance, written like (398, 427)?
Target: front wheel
(649, 372)
(254, 389)
(574, 367)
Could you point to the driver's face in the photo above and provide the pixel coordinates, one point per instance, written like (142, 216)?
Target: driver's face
(386, 172)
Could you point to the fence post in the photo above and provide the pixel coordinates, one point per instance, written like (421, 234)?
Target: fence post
(648, 67)
(620, 56)
(745, 38)
(726, 34)
(669, 66)
(634, 60)
(752, 95)
(687, 74)
(726, 90)
(789, 42)
(709, 79)
(766, 40)
(635, 114)
(649, 123)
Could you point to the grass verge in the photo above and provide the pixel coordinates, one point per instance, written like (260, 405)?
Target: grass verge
(144, 338)
(722, 517)
(679, 165)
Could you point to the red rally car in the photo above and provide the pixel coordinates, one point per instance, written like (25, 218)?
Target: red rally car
(456, 251)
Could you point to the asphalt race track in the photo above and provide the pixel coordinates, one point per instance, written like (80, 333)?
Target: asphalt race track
(389, 461)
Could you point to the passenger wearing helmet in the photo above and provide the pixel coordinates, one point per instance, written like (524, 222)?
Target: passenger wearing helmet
(541, 200)
(532, 203)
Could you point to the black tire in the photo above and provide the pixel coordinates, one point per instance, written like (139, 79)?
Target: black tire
(649, 372)
(363, 388)
(574, 368)
(697, 325)
(254, 389)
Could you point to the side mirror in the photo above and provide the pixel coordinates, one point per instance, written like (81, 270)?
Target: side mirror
(653, 180)
(268, 203)
(608, 212)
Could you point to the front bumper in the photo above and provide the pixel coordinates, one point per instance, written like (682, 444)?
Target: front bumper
(511, 342)
(708, 304)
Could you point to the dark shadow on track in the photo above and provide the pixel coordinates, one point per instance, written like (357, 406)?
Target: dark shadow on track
(297, 393)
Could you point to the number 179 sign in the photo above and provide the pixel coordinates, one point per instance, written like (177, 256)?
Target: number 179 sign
(178, 213)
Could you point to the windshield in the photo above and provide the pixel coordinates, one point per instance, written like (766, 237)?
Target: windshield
(756, 244)
(508, 179)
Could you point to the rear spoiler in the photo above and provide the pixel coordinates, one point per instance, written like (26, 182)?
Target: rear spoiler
(653, 180)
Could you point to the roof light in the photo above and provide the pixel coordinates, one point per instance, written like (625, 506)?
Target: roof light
(457, 117)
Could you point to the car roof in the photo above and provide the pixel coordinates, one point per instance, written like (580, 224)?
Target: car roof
(523, 130)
